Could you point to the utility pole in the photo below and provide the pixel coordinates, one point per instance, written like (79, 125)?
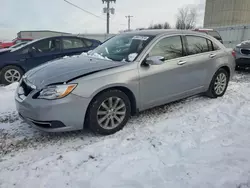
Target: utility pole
(108, 10)
(129, 21)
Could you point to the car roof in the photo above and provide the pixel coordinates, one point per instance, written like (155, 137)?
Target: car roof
(63, 36)
(155, 32)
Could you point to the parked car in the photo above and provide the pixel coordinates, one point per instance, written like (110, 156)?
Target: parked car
(242, 55)
(211, 32)
(13, 42)
(103, 89)
(15, 62)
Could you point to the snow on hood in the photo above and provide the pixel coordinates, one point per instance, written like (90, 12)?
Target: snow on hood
(96, 55)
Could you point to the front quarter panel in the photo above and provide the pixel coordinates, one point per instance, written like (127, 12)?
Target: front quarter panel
(125, 76)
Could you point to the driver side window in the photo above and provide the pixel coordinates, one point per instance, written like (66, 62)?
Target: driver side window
(47, 45)
(169, 48)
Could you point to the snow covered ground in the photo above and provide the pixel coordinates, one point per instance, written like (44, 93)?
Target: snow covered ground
(196, 142)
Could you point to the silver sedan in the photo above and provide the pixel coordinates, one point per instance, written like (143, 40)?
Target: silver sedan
(127, 74)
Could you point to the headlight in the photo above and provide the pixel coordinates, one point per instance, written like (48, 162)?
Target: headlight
(56, 91)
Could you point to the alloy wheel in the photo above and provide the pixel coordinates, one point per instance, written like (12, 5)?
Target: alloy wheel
(12, 75)
(220, 83)
(111, 113)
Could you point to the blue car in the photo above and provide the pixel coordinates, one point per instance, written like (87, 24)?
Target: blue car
(15, 62)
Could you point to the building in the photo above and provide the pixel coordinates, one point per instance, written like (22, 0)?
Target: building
(100, 37)
(37, 34)
(226, 13)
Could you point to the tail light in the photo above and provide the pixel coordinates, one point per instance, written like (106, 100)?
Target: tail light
(233, 53)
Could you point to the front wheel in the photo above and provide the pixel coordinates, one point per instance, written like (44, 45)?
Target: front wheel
(10, 74)
(109, 112)
(219, 83)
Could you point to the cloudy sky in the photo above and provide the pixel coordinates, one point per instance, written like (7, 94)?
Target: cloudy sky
(57, 15)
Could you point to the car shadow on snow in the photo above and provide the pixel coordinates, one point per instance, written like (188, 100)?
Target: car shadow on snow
(242, 71)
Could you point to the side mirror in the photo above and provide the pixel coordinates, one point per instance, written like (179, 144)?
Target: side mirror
(155, 60)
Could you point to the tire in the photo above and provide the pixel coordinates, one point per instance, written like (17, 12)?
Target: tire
(212, 92)
(96, 123)
(7, 71)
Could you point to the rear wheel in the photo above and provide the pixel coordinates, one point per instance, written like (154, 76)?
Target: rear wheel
(219, 83)
(109, 112)
(10, 74)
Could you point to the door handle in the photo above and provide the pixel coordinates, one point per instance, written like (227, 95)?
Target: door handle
(212, 55)
(181, 62)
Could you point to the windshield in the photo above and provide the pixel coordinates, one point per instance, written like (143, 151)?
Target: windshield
(22, 46)
(124, 47)
(18, 45)
(215, 34)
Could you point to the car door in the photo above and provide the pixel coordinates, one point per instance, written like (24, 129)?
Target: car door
(73, 46)
(174, 78)
(43, 51)
(203, 55)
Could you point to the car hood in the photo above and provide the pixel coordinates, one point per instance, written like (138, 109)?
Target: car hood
(244, 44)
(66, 69)
(4, 50)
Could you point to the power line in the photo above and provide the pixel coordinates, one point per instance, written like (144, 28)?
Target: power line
(84, 10)
(108, 11)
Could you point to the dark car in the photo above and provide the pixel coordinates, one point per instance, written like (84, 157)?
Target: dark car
(211, 32)
(242, 55)
(15, 62)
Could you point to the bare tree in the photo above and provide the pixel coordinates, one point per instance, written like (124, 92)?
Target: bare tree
(166, 25)
(159, 26)
(186, 18)
(151, 26)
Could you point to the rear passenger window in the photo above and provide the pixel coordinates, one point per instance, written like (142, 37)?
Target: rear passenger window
(71, 43)
(170, 48)
(197, 45)
(210, 45)
(216, 47)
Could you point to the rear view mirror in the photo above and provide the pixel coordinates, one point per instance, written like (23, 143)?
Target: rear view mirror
(155, 60)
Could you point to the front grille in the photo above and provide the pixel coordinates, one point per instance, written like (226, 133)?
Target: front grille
(245, 51)
(26, 89)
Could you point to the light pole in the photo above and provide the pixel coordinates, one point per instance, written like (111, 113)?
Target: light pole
(129, 21)
(108, 10)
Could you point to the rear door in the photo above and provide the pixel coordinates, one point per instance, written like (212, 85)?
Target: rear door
(202, 54)
(43, 51)
(74, 46)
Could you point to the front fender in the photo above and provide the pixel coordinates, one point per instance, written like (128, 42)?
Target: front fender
(91, 85)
